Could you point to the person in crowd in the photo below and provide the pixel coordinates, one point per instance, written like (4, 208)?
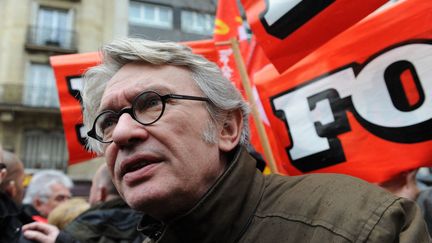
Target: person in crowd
(3, 169)
(67, 211)
(405, 185)
(102, 188)
(109, 219)
(46, 190)
(11, 195)
(173, 132)
(424, 200)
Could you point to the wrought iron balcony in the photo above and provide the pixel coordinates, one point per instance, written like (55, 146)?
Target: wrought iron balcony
(51, 39)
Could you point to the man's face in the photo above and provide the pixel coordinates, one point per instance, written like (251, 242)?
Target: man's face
(60, 193)
(163, 168)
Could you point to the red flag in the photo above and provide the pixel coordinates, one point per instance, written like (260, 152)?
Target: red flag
(290, 30)
(229, 24)
(256, 58)
(362, 103)
(205, 48)
(68, 70)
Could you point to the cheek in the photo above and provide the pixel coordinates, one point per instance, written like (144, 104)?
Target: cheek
(110, 154)
(190, 132)
(55, 205)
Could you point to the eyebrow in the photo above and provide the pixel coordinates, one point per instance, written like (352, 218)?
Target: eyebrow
(159, 89)
(132, 94)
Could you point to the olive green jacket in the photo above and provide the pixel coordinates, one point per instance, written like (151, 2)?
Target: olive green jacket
(246, 206)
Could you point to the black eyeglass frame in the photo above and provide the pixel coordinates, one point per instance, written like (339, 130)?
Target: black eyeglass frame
(130, 110)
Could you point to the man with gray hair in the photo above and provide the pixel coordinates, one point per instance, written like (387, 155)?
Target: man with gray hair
(173, 131)
(46, 190)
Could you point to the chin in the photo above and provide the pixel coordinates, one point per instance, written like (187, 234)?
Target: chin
(142, 200)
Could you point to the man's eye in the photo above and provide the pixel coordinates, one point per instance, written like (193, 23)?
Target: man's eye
(148, 104)
(153, 102)
(107, 123)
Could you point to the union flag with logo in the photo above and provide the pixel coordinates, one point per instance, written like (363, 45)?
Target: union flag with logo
(361, 104)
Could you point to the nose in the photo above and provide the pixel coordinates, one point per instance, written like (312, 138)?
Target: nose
(128, 132)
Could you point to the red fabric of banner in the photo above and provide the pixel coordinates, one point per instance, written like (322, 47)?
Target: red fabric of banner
(229, 24)
(290, 30)
(68, 70)
(361, 104)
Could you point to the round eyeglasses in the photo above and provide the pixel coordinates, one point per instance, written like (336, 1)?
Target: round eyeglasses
(147, 108)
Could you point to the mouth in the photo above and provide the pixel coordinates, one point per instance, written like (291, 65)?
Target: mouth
(132, 165)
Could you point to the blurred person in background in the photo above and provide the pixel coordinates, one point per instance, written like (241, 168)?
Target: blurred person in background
(403, 185)
(109, 219)
(67, 211)
(3, 170)
(406, 185)
(11, 195)
(46, 190)
(102, 188)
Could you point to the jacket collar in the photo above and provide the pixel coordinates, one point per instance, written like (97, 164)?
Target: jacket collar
(222, 214)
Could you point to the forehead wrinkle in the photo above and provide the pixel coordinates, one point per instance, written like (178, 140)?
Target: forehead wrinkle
(117, 100)
(124, 87)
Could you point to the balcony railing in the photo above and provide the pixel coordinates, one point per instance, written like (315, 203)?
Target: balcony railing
(55, 39)
(28, 96)
(40, 96)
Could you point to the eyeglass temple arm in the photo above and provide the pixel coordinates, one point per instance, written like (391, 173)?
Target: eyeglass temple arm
(186, 97)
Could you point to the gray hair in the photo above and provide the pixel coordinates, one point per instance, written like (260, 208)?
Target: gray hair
(41, 182)
(223, 94)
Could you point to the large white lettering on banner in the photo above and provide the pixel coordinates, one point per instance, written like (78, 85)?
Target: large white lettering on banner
(75, 86)
(282, 17)
(315, 112)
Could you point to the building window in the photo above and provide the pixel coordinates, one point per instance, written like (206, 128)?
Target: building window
(150, 15)
(197, 23)
(53, 27)
(40, 89)
(44, 149)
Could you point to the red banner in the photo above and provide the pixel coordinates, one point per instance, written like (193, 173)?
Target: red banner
(362, 103)
(290, 30)
(68, 70)
(229, 24)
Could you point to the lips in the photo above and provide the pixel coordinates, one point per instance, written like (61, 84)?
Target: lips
(134, 167)
(137, 163)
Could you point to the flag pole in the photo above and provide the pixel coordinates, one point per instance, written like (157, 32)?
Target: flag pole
(248, 89)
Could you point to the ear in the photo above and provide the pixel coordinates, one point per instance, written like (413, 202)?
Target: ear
(37, 203)
(11, 189)
(230, 131)
(103, 194)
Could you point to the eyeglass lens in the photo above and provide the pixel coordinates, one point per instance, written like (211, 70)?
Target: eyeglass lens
(146, 109)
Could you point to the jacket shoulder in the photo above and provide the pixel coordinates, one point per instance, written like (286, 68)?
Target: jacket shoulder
(334, 208)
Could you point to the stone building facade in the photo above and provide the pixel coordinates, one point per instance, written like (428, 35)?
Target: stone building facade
(34, 30)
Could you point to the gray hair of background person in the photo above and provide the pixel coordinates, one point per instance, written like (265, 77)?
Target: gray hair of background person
(41, 182)
(222, 93)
